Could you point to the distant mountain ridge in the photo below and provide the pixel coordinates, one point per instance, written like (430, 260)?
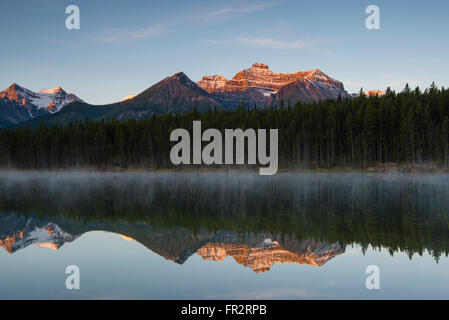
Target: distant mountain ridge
(175, 94)
(39, 103)
(259, 85)
(256, 251)
(18, 104)
(18, 232)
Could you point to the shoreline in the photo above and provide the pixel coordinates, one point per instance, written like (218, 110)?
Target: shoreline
(381, 169)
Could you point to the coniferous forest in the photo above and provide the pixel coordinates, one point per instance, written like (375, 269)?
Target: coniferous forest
(408, 128)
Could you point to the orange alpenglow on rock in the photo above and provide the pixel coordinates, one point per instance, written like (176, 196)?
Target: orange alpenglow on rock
(51, 106)
(375, 93)
(212, 83)
(49, 230)
(42, 236)
(127, 238)
(261, 259)
(7, 243)
(260, 75)
(49, 245)
(45, 101)
(131, 96)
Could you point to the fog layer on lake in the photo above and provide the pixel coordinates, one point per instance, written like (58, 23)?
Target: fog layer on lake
(331, 223)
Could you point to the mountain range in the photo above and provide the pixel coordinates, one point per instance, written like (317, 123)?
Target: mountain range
(19, 232)
(19, 104)
(257, 85)
(256, 251)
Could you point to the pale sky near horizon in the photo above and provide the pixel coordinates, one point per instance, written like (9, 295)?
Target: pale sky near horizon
(123, 47)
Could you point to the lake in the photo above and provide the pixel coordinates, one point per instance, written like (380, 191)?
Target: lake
(217, 235)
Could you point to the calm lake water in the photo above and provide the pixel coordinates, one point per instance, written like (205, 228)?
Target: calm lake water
(223, 235)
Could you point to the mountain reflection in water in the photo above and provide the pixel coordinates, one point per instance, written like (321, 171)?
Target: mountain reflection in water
(256, 251)
(258, 221)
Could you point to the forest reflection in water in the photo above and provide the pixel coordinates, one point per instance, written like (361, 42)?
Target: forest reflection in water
(259, 221)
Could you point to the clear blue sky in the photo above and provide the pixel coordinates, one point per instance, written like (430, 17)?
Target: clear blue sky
(123, 47)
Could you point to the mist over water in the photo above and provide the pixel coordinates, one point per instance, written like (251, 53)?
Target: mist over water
(261, 222)
(342, 207)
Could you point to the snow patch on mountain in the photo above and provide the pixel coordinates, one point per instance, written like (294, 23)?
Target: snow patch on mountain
(46, 100)
(47, 235)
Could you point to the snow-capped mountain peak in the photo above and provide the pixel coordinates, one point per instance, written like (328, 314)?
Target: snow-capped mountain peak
(44, 235)
(52, 91)
(260, 85)
(39, 103)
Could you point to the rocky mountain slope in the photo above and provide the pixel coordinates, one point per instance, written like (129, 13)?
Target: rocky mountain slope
(256, 251)
(18, 232)
(259, 85)
(375, 93)
(177, 94)
(12, 113)
(19, 104)
(261, 252)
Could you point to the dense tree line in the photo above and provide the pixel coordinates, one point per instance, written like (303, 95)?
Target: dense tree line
(409, 127)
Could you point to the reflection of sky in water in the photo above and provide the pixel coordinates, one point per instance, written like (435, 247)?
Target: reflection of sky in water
(112, 267)
(177, 215)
